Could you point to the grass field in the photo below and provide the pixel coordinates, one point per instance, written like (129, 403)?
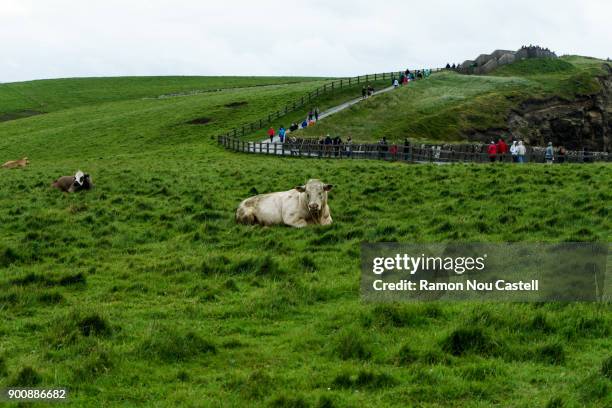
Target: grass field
(44, 96)
(145, 292)
(448, 105)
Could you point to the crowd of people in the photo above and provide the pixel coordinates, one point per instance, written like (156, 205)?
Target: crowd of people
(518, 152)
(515, 151)
(310, 120)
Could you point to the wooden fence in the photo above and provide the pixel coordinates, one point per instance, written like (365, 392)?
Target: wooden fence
(309, 98)
(410, 154)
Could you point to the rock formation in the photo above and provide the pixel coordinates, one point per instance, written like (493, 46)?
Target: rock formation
(486, 63)
(584, 122)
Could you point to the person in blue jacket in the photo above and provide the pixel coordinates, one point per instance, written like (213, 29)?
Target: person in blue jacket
(281, 134)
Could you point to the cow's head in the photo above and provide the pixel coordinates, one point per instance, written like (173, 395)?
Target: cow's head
(79, 178)
(87, 183)
(316, 194)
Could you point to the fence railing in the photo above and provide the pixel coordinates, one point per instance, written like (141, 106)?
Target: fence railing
(409, 153)
(310, 97)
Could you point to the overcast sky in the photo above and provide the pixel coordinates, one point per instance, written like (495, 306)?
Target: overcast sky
(67, 38)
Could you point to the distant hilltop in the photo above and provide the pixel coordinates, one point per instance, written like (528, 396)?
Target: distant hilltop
(486, 63)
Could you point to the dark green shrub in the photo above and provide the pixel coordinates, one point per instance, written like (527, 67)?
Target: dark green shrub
(467, 340)
(170, 346)
(26, 377)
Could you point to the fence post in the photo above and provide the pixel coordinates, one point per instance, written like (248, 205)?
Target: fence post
(340, 84)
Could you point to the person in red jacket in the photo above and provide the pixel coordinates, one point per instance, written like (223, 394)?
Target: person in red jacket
(502, 149)
(271, 134)
(492, 150)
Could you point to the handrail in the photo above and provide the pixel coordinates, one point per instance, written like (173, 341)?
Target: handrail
(406, 153)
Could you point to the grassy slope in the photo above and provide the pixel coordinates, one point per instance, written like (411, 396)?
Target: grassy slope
(145, 291)
(323, 102)
(56, 94)
(446, 105)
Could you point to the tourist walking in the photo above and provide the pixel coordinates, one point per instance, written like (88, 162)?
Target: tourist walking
(393, 151)
(364, 92)
(349, 146)
(316, 114)
(271, 134)
(281, 134)
(382, 148)
(406, 148)
(514, 151)
(561, 155)
(521, 150)
(328, 145)
(337, 142)
(549, 154)
(502, 149)
(492, 151)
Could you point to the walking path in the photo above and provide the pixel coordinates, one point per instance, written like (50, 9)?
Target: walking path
(334, 110)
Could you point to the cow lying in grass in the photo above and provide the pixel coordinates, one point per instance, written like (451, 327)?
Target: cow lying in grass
(302, 206)
(71, 184)
(13, 164)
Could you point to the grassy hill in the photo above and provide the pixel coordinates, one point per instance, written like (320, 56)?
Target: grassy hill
(448, 105)
(27, 98)
(145, 292)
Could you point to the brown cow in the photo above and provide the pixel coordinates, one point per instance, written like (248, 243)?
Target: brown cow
(13, 164)
(71, 184)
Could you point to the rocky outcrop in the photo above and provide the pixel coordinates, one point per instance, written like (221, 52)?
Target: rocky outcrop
(486, 63)
(584, 122)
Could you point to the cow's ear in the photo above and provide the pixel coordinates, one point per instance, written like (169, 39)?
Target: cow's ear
(301, 189)
(328, 187)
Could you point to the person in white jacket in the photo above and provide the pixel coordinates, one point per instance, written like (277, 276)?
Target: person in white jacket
(514, 152)
(521, 150)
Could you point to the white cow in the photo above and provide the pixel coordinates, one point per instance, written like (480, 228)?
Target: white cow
(302, 206)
